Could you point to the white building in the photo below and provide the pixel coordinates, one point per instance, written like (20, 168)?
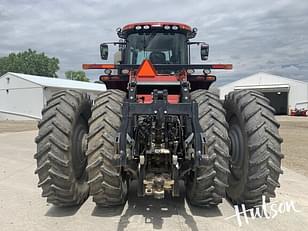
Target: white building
(24, 96)
(283, 92)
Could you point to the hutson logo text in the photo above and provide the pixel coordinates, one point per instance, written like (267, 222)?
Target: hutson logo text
(266, 210)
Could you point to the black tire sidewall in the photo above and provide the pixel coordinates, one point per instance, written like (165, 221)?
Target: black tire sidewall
(236, 187)
(83, 110)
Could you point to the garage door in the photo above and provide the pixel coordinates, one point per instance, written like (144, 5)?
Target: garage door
(279, 101)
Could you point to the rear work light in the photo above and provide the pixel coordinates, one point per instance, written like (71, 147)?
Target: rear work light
(206, 71)
(211, 78)
(125, 71)
(108, 71)
(138, 27)
(108, 78)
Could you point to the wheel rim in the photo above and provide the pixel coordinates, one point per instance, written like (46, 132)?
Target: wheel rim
(79, 160)
(237, 149)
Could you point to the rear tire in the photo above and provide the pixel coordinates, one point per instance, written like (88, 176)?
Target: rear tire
(256, 148)
(206, 186)
(61, 145)
(107, 184)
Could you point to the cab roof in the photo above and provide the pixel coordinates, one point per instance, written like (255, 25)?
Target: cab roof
(157, 25)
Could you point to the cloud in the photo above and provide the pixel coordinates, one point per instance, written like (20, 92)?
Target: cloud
(254, 35)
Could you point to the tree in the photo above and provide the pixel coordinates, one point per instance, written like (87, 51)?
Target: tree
(29, 62)
(76, 75)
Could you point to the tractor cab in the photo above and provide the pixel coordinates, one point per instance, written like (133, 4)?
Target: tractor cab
(158, 47)
(161, 43)
(165, 45)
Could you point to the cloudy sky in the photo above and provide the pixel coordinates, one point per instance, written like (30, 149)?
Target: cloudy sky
(268, 36)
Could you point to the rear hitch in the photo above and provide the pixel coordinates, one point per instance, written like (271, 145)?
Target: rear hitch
(157, 185)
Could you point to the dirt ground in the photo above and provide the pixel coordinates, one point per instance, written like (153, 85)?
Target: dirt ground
(23, 208)
(294, 131)
(17, 125)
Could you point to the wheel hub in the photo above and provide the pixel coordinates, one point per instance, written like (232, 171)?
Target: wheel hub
(237, 149)
(79, 147)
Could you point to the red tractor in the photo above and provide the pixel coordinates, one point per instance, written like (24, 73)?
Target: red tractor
(158, 123)
(301, 109)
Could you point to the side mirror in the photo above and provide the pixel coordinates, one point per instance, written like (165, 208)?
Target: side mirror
(104, 51)
(204, 51)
